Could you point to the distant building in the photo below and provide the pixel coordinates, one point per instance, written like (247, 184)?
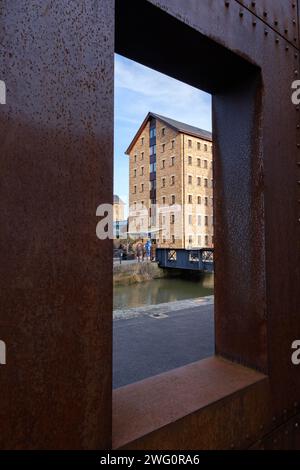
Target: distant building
(171, 183)
(118, 208)
(120, 223)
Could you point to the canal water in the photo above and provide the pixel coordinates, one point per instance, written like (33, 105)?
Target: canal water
(162, 290)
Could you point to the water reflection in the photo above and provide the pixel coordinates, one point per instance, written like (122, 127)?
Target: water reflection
(162, 290)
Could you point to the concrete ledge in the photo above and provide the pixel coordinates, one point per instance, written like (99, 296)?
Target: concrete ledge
(140, 410)
(166, 307)
(132, 273)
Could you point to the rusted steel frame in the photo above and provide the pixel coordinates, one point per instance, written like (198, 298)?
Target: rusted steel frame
(56, 149)
(212, 404)
(280, 15)
(53, 155)
(278, 64)
(284, 437)
(274, 159)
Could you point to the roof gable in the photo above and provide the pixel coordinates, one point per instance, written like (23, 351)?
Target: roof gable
(176, 125)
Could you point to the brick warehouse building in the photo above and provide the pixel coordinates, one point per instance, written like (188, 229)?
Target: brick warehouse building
(171, 183)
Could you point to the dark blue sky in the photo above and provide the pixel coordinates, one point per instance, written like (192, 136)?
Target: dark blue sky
(139, 90)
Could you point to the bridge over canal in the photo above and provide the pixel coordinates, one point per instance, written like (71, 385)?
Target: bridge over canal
(201, 259)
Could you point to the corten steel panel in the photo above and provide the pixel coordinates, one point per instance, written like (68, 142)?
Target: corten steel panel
(232, 423)
(281, 15)
(239, 226)
(240, 264)
(285, 437)
(257, 297)
(181, 409)
(54, 152)
(276, 180)
(56, 168)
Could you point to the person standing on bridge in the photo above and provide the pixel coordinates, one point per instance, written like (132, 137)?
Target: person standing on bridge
(140, 252)
(121, 252)
(148, 245)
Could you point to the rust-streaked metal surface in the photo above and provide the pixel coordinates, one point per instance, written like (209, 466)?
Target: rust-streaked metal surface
(281, 15)
(237, 102)
(257, 142)
(284, 437)
(155, 404)
(56, 167)
(276, 141)
(239, 223)
(56, 136)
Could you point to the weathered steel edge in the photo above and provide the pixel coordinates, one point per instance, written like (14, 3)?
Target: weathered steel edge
(232, 422)
(263, 56)
(56, 154)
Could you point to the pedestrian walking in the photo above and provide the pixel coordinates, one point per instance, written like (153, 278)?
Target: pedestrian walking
(148, 245)
(139, 252)
(121, 253)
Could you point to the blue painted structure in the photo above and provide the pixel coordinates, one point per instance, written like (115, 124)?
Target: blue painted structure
(201, 259)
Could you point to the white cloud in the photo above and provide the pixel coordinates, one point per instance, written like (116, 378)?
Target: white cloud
(139, 90)
(152, 91)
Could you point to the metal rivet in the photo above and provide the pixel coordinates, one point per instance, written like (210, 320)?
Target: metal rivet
(298, 126)
(254, 23)
(294, 21)
(296, 72)
(227, 4)
(253, 4)
(265, 13)
(296, 425)
(276, 23)
(296, 56)
(286, 48)
(241, 14)
(277, 40)
(266, 32)
(286, 30)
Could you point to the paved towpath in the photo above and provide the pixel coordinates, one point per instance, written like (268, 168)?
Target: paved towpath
(151, 341)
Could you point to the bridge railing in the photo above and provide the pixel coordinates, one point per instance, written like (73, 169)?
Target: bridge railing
(201, 259)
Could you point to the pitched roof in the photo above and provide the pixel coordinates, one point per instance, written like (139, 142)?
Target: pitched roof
(177, 125)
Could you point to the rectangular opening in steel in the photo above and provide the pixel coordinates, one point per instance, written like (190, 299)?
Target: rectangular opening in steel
(181, 52)
(163, 209)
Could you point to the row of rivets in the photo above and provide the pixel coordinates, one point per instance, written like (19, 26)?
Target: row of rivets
(285, 431)
(296, 425)
(265, 14)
